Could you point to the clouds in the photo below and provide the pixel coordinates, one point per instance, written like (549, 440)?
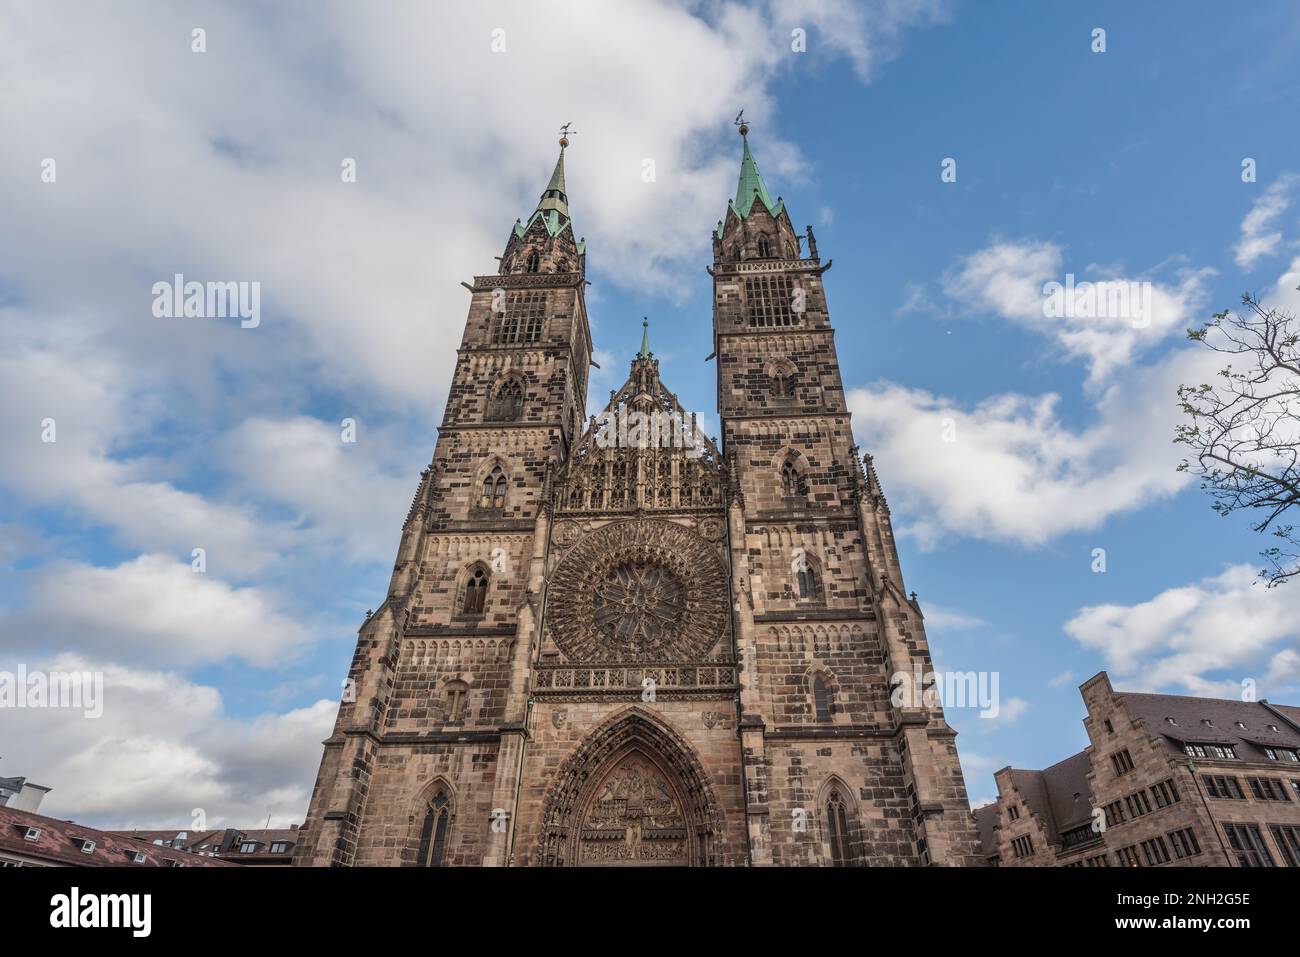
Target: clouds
(1014, 470)
(163, 747)
(152, 609)
(1259, 236)
(1107, 323)
(1203, 638)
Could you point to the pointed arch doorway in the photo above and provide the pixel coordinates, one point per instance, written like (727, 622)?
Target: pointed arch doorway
(632, 795)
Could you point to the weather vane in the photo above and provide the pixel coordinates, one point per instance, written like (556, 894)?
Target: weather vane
(565, 133)
(740, 122)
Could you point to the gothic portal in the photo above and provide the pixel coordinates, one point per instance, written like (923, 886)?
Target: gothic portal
(612, 641)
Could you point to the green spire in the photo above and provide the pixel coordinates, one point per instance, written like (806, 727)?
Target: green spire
(645, 339)
(554, 196)
(751, 186)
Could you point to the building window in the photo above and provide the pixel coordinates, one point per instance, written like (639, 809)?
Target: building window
(1122, 762)
(1165, 793)
(806, 582)
(534, 263)
(520, 320)
(1184, 843)
(1268, 789)
(764, 248)
(1224, 752)
(1248, 844)
(508, 404)
(793, 484)
(433, 837)
(1114, 813)
(1013, 812)
(1023, 846)
(1222, 787)
(1110, 728)
(769, 299)
(1155, 851)
(1282, 754)
(476, 592)
(1287, 838)
(843, 853)
(279, 847)
(782, 384)
(1127, 857)
(1138, 804)
(494, 489)
(1078, 835)
(248, 847)
(821, 699)
(457, 695)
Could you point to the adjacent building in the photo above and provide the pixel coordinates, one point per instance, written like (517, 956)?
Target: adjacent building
(266, 847)
(28, 839)
(1166, 780)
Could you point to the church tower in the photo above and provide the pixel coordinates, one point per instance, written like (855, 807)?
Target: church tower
(835, 771)
(608, 641)
(429, 736)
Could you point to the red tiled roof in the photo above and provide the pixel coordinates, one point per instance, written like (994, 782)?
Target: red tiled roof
(61, 842)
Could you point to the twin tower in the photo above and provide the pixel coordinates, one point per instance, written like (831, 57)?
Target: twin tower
(602, 651)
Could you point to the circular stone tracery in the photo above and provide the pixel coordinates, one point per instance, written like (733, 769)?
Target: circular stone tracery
(638, 591)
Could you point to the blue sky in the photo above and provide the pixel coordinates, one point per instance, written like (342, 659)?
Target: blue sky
(225, 165)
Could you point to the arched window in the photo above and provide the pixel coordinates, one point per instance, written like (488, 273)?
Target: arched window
(764, 248)
(807, 583)
(789, 251)
(843, 853)
(476, 592)
(433, 837)
(457, 697)
(534, 262)
(792, 482)
(494, 489)
(821, 699)
(508, 404)
(782, 383)
(562, 264)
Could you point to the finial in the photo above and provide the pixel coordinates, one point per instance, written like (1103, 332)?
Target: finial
(645, 338)
(741, 124)
(565, 133)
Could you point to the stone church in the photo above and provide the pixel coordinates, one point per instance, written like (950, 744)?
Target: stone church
(605, 645)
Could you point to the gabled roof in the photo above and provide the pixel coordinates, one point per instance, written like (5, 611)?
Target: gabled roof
(61, 842)
(1050, 793)
(1190, 714)
(986, 821)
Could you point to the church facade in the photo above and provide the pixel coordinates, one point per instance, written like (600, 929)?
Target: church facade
(610, 640)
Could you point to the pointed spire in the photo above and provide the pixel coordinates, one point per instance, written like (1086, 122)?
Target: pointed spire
(750, 187)
(554, 196)
(645, 338)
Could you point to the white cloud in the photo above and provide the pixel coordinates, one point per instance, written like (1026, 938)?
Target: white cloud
(163, 747)
(1009, 712)
(1015, 470)
(1229, 623)
(939, 618)
(152, 609)
(1259, 237)
(338, 489)
(1064, 678)
(1008, 278)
